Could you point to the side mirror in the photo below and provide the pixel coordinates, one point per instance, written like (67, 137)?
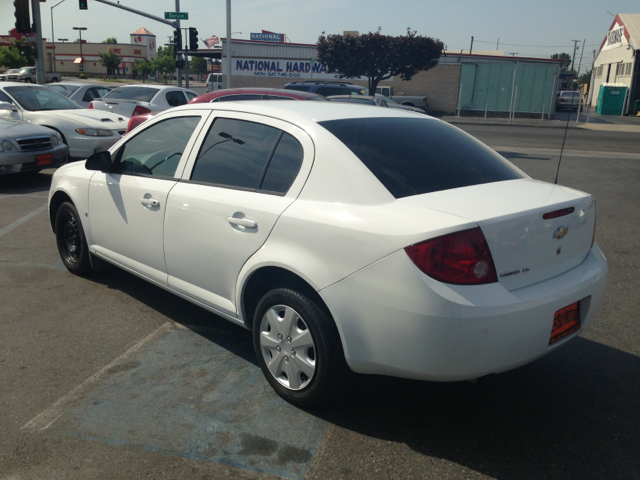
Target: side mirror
(8, 106)
(100, 161)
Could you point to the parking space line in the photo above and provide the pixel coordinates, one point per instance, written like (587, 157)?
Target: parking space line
(27, 195)
(24, 219)
(45, 419)
(56, 266)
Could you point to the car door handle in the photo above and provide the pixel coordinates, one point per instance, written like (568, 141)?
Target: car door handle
(245, 222)
(152, 202)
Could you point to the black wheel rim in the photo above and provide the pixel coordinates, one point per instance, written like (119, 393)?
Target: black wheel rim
(70, 241)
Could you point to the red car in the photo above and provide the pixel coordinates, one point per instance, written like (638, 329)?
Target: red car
(232, 94)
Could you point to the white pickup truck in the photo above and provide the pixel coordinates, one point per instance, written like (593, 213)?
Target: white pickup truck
(28, 75)
(415, 101)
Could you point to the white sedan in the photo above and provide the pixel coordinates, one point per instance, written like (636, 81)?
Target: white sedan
(343, 236)
(83, 131)
(131, 100)
(81, 93)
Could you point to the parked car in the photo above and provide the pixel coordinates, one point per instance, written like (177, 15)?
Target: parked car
(130, 100)
(81, 93)
(567, 100)
(29, 148)
(4, 76)
(236, 94)
(83, 131)
(410, 100)
(28, 75)
(378, 100)
(137, 120)
(214, 82)
(327, 88)
(342, 236)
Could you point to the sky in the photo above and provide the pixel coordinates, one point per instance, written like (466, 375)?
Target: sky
(536, 28)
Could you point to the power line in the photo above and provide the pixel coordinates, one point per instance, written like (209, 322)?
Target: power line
(536, 46)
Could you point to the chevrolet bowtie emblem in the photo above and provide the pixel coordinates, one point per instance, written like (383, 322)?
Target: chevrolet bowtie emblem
(560, 232)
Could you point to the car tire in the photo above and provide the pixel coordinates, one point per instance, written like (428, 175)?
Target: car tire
(27, 80)
(71, 241)
(286, 320)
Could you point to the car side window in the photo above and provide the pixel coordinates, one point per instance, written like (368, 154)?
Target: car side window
(190, 96)
(90, 94)
(175, 98)
(101, 91)
(284, 165)
(156, 151)
(235, 153)
(328, 91)
(5, 98)
(278, 97)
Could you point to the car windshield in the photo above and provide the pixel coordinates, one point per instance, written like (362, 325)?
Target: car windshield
(25, 69)
(415, 156)
(36, 98)
(142, 94)
(65, 90)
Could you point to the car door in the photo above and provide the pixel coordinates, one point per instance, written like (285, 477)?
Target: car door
(127, 205)
(247, 171)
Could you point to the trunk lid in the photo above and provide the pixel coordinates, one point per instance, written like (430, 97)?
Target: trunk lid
(526, 248)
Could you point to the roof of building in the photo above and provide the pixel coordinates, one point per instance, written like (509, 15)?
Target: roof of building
(142, 31)
(631, 22)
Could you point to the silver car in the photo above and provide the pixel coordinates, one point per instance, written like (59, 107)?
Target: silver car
(5, 75)
(29, 148)
(81, 93)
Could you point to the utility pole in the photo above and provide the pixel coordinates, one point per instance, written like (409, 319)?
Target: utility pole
(575, 46)
(228, 43)
(40, 73)
(497, 43)
(471, 48)
(179, 70)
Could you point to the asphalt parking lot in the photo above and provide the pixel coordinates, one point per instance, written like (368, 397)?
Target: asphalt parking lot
(111, 377)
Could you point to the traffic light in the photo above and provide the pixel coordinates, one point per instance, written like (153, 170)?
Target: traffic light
(193, 39)
(177, 39)
(83, 4)
(180, 63)
(26, 50)
(23, 19)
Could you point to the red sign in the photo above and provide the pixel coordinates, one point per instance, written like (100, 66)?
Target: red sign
(137, 52)
(117, 50)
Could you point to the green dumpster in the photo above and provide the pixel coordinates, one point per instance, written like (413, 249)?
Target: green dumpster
(611, 99)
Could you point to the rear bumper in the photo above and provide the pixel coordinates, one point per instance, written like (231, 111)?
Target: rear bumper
(396, 321)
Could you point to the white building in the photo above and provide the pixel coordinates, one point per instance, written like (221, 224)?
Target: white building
(617, 62)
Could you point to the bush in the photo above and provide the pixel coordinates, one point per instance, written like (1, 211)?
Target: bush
(82, 75)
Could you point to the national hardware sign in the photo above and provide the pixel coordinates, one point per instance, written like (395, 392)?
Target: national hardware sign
(283, 68)
(615, 38)
(267, 37)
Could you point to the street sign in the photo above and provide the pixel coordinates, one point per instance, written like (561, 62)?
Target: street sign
(176, 15)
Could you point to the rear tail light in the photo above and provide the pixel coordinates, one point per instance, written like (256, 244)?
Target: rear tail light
(139, 110)
(461, 258)
(91, 106)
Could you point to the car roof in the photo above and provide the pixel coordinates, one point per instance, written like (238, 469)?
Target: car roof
(154, 85)
(295, 111)
(207, 97)
(357, 97)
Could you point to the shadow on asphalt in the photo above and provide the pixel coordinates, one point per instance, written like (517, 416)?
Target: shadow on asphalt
(514, 155)
(25, 183)
(572, 414)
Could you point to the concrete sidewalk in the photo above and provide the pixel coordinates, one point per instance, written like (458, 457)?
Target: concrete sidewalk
(596, 122)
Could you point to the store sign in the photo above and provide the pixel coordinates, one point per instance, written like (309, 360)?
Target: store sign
(283, 68)
(267, 37)
(615, 38)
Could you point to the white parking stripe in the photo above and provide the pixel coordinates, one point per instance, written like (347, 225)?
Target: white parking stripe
(26, 218)
(45, 419)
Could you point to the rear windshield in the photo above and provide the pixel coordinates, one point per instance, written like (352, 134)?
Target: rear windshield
(415, 156)
(361, 101)
(142, 94)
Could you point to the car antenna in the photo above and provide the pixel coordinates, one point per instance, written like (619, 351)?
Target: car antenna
(575, 85)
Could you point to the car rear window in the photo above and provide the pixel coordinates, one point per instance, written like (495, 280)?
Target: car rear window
(415, 156)
(361, 101)
(142, 94)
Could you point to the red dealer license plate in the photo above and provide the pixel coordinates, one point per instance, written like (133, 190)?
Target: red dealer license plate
(43, 160)
(565, 321)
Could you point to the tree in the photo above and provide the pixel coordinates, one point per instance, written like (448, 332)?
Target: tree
(110, 40)
(566, 61)
(164, 61)
(143, 67)
(10, 57)
(585, 78)
(379, 57)
(198, 64)
(110, 59)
